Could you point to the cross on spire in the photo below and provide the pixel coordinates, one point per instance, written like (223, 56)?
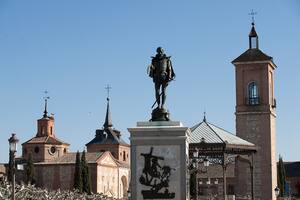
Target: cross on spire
(108, 88)
(46, 97)
(108, 121)
(252, 13)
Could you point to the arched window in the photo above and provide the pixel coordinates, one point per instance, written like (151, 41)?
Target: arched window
(253, 97)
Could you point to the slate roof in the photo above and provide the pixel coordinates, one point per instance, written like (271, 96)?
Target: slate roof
(292, 169)
(108, 135)
(213, 134)
(253, 55)
(253, 31)
(70, 158)
(45, 140)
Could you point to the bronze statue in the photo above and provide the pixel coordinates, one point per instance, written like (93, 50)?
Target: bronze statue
(161, 71)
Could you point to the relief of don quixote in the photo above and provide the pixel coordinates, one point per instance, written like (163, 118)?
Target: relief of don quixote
(156, 177)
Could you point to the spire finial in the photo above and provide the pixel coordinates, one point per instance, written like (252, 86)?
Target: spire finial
(46, 99)
(108, 121)
(108, 88)
(204, 116)
(252, 13)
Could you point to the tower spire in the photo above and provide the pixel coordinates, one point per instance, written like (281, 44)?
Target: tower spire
(108, 121)
(46, 99)
(253, 37)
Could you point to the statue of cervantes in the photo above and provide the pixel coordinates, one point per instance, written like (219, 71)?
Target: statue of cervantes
(161, 71)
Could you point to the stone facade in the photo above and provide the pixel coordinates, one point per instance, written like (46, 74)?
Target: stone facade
(108, 176)
(159, 156)
(120, 152)
(112, 178)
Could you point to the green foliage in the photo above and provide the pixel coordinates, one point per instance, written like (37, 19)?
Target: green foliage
(30, 171)
(77, 173)
(86, 178)
(281, 178)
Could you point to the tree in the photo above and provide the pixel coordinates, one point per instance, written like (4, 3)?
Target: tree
(86, 178)
(77, 173)
(30, 170)
(281, 178)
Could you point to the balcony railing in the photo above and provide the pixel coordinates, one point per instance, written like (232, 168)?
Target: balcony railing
(252, 101)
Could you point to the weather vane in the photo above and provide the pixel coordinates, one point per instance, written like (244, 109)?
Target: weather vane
(108, 88)
(252, 13)
(204, 114)
(46, 95)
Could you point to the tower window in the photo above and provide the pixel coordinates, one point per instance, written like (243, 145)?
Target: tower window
(124, 156)
(36, 149)
(253, 42)
(253, 97)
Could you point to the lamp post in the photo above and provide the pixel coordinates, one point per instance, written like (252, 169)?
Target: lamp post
(195, 167)
(277, 192)
(13, 140)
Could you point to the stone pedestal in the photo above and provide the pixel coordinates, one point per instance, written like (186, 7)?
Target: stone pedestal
(159, 158)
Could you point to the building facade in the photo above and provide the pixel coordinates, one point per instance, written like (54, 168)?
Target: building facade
(256, 117)
(107, 157)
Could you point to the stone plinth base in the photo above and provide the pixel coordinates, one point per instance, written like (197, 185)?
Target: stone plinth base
(159, 156)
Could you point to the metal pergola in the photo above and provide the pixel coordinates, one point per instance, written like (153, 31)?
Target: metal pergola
(221, 147)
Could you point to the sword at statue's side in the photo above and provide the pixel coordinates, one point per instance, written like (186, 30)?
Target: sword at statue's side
(156, 100)
(172, 79)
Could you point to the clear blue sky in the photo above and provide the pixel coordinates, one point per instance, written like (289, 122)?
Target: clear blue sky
(74, 48)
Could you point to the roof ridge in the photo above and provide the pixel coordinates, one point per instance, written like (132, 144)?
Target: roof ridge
(253, 55)
(234, 135)
(221, 128)
(208, 124)
(196, 126)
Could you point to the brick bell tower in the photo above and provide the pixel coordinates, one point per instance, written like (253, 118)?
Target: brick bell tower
(255, 119)
(45, 145)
